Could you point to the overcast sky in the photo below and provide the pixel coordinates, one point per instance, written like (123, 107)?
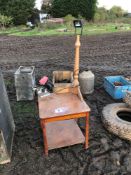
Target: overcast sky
(125, 4)
(38, 4)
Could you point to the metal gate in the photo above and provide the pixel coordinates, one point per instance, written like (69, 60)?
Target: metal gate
(7, 126)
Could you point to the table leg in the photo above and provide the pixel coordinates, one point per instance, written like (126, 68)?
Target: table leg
(45, 138)
(87, 131)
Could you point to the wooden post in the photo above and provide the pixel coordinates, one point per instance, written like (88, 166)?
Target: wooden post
(77, 57)
(44, 137)
(87, 131)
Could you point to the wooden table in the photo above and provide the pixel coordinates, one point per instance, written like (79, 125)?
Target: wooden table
(57, 113)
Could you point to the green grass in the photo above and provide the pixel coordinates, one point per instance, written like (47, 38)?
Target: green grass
(89, 29)
(25, 107)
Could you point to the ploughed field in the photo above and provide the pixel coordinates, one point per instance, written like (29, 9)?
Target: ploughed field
(104, 55)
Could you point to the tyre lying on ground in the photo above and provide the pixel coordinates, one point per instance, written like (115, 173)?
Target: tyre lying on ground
(127, 99)
(116, 118)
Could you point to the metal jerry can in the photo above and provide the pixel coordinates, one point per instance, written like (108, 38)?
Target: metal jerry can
(86, 80)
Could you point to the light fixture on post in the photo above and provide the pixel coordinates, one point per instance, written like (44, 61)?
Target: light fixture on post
(78, 25)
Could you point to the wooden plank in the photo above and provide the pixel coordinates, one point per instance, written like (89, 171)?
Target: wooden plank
(66, 117)
(63, 133)
(4, 156)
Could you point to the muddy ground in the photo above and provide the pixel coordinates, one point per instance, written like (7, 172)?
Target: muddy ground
(104, 55)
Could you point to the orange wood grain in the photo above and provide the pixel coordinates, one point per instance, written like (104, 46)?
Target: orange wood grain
(62, 118)
(44, 137)
(66, 117)
(87, 131)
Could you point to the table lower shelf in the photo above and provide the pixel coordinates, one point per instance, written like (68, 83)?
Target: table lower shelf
(63, 133)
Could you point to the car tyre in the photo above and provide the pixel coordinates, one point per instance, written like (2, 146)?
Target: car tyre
(114, 123)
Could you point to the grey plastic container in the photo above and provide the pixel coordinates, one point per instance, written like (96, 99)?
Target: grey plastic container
(86, 80)
(25, 82)
(7, 126)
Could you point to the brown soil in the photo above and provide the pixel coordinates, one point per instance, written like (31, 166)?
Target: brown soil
(104, 55)
(118, 83)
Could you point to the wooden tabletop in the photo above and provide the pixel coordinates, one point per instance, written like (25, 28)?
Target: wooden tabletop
(56, 105)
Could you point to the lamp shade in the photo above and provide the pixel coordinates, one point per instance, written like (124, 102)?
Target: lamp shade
(77, 23)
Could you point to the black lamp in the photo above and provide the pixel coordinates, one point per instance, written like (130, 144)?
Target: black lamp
(78, 24)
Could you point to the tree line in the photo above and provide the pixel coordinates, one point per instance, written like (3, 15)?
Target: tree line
(84, 8)
(103, 14)
(19, 11)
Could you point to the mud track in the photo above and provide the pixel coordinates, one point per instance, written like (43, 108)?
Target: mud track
(104, 55)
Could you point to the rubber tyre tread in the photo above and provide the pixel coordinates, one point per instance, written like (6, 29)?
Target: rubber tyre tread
(113, 123)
